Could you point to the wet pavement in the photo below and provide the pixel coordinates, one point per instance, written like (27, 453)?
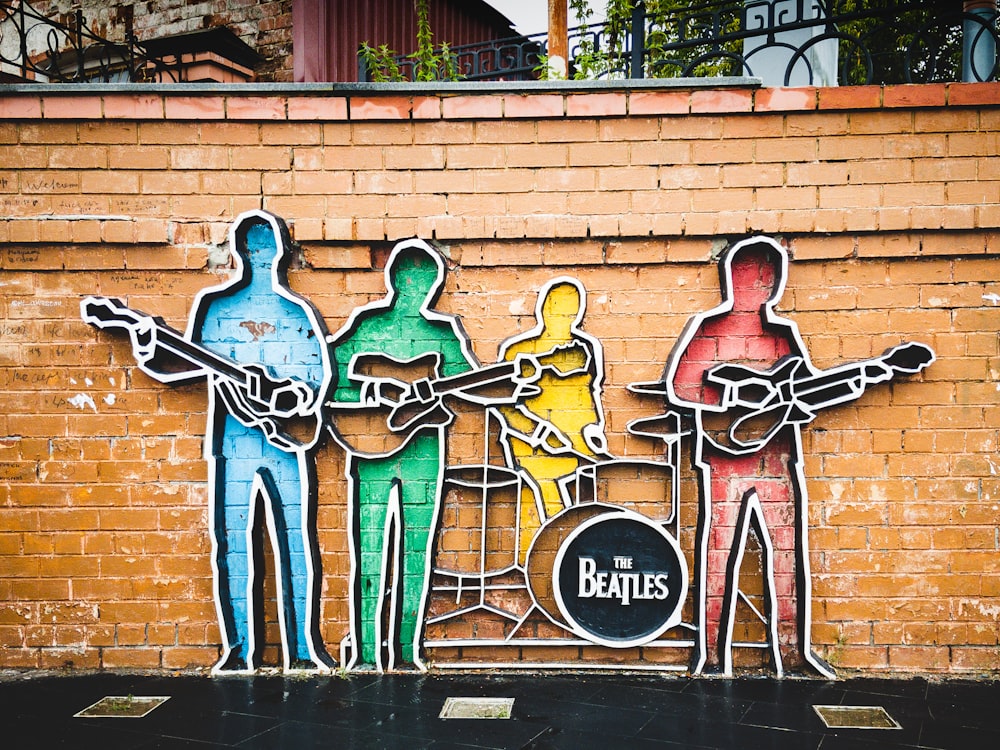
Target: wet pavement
(574, 711)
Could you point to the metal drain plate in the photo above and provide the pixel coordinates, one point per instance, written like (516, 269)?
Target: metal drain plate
(856, 717)
(122, 707)
(477, 708)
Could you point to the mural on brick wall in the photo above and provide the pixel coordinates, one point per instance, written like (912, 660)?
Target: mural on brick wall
(564, 547)
(261, 349)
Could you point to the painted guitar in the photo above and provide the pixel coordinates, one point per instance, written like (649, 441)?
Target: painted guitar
(251, 394)
(758, 404)
(398, 397)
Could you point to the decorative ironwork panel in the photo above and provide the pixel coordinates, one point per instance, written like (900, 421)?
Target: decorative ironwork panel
(34, 47)
(890, 41)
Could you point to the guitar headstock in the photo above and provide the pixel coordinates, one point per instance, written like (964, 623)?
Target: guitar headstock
(107, 311)
(908, 358)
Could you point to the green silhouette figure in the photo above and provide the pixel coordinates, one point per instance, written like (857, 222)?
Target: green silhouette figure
(387, 353)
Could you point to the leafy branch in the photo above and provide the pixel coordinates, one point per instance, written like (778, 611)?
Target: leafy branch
(428, 63)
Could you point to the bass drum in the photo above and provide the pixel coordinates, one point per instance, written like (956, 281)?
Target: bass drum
(608, 574)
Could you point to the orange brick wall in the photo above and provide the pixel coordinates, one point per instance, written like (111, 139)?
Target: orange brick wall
(888, 199)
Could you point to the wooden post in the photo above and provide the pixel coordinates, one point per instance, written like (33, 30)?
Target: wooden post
(558, 47)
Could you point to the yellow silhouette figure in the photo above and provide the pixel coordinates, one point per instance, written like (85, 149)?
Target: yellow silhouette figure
(550, 434)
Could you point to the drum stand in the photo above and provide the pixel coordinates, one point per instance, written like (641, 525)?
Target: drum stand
(486, 479)
(485, 586)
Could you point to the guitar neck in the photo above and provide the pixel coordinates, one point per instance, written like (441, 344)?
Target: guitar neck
(106, 312)
(498, 371)
(842, 384)
(199, 355)
(480, 376)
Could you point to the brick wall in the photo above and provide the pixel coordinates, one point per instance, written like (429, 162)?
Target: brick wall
(888, 200)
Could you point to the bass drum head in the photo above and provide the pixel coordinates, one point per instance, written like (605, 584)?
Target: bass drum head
(610, 575)
(545, 546)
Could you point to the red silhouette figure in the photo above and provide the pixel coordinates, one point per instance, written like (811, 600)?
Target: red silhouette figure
(750, 471)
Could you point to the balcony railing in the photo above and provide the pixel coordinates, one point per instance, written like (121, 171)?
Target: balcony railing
(821, 42)
(785, 42)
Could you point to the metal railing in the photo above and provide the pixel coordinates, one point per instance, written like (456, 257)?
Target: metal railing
(786, 42)
(884, 42)
(510, 59)
(34, 47)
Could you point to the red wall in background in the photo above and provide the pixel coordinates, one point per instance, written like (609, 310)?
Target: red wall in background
(327, 33)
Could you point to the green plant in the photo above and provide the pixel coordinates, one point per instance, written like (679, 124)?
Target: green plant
(121, 703)
(429, 63)
(835, 653)
(669, 24)
(542, 69)
(885, 41)
(380, 63)
(919, 39)
(664, 27)
(591, 60)
(425, 61)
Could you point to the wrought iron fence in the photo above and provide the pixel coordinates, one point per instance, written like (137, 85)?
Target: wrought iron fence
(512, 59)
(822, 41)
(787, 42)
(34, 47)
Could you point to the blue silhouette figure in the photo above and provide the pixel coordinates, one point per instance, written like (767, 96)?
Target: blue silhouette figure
(262, 349)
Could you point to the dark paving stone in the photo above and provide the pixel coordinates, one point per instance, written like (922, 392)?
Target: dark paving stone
(782, 691)
(174, 743)
(770, 691)
(422, 724)
(295, 735)
(667, 682)
(938, 735)
(54, 697)
(323, 702)
(418, 690)
(207, 727)
(965, 692)
(644, 712)
(449, 745)
(694, 703)
(571, 739)
(707, 731)
(559, 687)
(613, 720)
(644, 699)
(973, 716)
(862, 740)
(911, 688)
(796, 716)
(75, 733)
(910, 713)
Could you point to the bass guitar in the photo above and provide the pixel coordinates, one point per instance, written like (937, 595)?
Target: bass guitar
(400, 396)
(252, 395)
(759, 404)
